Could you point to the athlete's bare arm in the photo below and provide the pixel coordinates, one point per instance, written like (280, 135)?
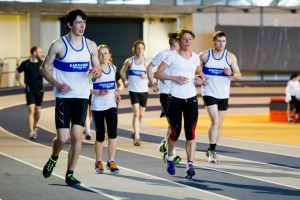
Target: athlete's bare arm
(150, 77)
(57, 49)
(95, 72)
(127, 64)
(236, 75)
(200, 79)
(146, 62)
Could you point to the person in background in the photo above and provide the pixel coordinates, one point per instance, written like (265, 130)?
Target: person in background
(219, 67)
(105, 97)
(88, 121)
(163, 88)
(137, 86)
(291, 90)
(34, 88)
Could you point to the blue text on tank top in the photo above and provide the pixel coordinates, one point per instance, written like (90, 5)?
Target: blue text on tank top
(213, 71)
(135, 72)
(110, 85)
(71, 66)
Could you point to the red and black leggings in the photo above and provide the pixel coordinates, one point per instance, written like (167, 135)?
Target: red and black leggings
(189, 109)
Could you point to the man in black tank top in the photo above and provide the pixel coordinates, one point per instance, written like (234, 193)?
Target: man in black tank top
(34, 89)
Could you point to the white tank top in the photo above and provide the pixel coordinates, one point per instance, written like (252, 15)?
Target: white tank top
(179, 66)
(163, 85)
(136, 82)
(72, 69)
(293, 87)
(106, 82)
(218, 82)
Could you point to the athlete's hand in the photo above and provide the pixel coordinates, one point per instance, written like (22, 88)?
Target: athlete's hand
(126, 83)
(181, 79)
(227, 71)
(63, 88)
(95, 73)
(23, 85)
(201, 81)
(155, 88)
(143, 75)
(117, 96)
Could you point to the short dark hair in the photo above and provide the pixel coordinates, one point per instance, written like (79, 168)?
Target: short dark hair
(33, 49)
(183, 31)
(172, 38)
(294, 75)
(218, 34)
(72, 14)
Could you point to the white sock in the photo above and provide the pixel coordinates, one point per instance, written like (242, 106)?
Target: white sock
(170, 158)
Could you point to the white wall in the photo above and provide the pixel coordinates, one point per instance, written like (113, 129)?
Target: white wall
(14, 35)
(155, 35)
(50, 31)
(14, 42)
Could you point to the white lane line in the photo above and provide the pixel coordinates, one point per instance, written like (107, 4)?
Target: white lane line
(59, 176)
(240, 159)
(260, 142)
(249, 177)
(133, 171)
(244, 176)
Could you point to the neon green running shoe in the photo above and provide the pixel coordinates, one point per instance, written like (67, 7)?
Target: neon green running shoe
(162, 147)
(177, 158)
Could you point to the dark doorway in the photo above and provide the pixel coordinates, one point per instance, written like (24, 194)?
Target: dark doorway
(118, 33)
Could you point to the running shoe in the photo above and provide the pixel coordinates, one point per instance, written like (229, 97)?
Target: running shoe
(137, 142)
(71, 180)
(99, 167)
(87, 135)
(177, 159)
(190, 171)
(170, 166)
(48, 168)
(207, 152)
(111, 165)
(212, 156)
(35, 130)
(133, 135)
(162, 147)
(32, 136)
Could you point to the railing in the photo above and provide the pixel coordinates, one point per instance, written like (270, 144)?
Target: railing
(8, 69)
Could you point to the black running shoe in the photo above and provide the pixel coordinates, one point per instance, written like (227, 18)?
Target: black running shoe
(190, 171)
(88, 137)
(48, 168)
(72, 181)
